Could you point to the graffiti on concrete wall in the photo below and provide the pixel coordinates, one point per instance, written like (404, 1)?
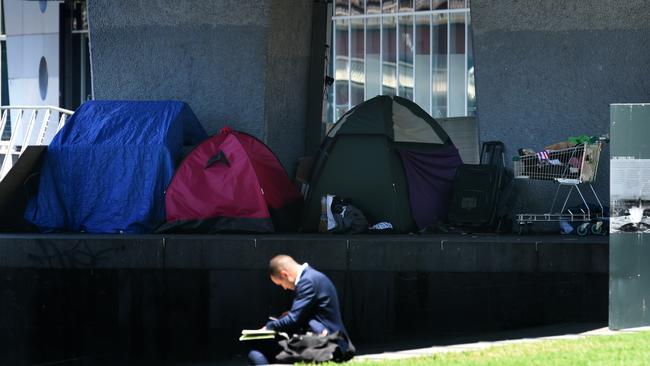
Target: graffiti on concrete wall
(70, 254)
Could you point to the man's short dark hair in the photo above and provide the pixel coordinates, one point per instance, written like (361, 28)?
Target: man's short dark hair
(278, 263)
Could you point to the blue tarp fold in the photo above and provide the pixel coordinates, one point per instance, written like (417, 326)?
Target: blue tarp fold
(106, 171)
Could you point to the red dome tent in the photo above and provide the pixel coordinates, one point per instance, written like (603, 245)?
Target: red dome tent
(231, 182)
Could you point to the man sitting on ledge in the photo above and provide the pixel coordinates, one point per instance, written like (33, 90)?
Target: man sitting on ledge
(315, 305)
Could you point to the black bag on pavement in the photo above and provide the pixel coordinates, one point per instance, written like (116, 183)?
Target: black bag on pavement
(315, 348)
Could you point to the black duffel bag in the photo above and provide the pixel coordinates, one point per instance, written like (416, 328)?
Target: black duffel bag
(315, 348)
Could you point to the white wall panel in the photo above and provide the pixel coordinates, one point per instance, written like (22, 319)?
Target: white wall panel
(25, 17)
(32, 34)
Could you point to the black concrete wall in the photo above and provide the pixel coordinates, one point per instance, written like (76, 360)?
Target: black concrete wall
(178, 300)
(243, 63)
(184, 316)
(547, 70)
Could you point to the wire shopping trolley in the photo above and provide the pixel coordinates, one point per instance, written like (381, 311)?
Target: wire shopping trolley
(572, 167)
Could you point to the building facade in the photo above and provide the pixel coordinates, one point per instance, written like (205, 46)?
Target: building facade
(531, 73)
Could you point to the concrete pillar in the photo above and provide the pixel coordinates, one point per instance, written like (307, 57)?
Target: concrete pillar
(242, 63)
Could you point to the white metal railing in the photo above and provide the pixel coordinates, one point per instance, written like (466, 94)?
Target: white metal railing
(23, 135)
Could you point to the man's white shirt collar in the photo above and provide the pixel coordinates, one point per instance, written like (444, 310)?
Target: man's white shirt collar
(302, 268)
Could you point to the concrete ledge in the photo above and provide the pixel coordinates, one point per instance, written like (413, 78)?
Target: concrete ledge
(59, 252)
(431, 253)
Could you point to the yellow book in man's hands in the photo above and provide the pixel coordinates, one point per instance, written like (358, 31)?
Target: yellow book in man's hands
(254, 334)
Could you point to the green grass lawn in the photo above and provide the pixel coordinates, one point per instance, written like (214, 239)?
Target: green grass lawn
(624, 349)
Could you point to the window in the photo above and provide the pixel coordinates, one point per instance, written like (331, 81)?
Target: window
(417, 49)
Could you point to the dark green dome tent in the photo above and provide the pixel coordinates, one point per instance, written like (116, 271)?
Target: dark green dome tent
(391, 159)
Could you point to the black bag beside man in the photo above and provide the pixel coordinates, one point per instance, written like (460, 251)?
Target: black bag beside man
(315, 348)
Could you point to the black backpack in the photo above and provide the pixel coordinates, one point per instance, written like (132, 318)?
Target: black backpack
(315, 348)
(349, 219)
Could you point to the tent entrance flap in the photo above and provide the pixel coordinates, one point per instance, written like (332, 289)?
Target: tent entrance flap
(430, 175)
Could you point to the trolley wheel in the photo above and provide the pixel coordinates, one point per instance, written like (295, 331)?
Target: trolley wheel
(583, 229)
(598, 228)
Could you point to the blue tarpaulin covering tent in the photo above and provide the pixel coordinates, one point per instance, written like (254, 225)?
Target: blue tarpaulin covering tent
(107, 169)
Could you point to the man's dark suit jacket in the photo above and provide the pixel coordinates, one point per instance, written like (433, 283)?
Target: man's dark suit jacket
(314, 299)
